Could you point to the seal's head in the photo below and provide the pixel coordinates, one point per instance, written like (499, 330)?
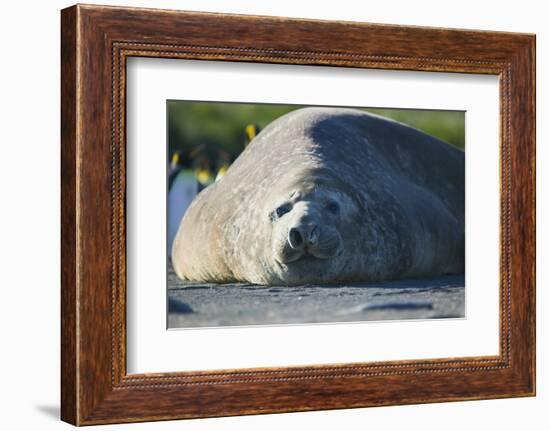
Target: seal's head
(308, 240)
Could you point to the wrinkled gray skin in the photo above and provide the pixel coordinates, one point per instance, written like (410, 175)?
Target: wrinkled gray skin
(329, 195)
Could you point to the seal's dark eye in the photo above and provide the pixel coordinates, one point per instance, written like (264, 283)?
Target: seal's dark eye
(333, 207)
(281, 210)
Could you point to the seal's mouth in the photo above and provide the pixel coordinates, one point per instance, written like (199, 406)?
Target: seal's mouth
(307, 258)
(306, 269)
(310, 257)
(301, 258)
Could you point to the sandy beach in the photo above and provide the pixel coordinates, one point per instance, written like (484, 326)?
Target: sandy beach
(193, 305)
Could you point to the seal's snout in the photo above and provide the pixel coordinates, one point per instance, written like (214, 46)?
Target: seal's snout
(305, 235)
(302, 236)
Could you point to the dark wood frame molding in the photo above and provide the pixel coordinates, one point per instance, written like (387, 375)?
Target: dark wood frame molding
(95, 43)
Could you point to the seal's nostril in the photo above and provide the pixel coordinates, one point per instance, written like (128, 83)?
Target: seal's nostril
(313, 233)
(295, 238)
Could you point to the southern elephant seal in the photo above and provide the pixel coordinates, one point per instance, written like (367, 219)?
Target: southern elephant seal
(329, 195)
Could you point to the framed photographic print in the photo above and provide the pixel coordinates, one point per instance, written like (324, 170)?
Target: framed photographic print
(265, 214)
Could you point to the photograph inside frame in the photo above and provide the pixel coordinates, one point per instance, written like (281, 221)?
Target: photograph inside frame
(290, 214)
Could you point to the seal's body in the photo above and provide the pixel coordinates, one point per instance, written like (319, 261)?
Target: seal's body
(329, 195)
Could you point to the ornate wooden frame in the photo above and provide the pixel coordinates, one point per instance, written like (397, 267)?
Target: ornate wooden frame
(95, 43)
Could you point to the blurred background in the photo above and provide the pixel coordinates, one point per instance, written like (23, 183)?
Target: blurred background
(215, 133)
(204, 138)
